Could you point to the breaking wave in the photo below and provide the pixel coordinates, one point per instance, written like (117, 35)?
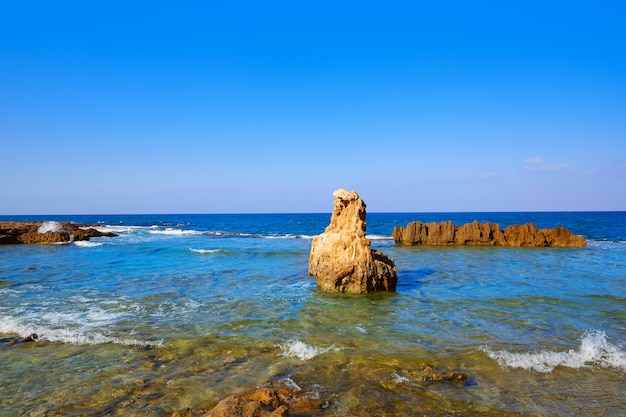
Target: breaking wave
(206, 251)
(175, 232)
(87, 244)
(594, 350)
(298, 349)
(379, 237)
(81, 336)
(50, 227)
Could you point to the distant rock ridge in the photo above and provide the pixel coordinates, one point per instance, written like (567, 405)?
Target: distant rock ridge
(341, 259)
(47, 232)
(484, 234)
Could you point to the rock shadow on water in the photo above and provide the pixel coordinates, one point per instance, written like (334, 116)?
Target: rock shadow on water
(414, 278)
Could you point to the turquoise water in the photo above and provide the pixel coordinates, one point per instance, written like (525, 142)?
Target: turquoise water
(182, 310)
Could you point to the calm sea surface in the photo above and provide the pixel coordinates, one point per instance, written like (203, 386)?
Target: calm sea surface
(183, 310)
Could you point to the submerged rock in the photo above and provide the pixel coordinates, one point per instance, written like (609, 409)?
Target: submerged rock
(264, 402)
(341, 259)
(484, 234)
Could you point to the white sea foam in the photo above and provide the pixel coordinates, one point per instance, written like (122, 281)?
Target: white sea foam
(280, 236)
(175, 232)
(50, 227)
(606, 244)
(296, 348)
(88, 319)
(399, 379)
(87, 244)
(291, 384)
(10, 325)
(93, 338)
(122, 229)
(594, 350)
(205, 251)
(379, 237)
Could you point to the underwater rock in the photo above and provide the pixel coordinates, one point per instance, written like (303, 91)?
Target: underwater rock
(484, 234)
(267, 401)
(264, 402)
(341, 259)
(431, 375)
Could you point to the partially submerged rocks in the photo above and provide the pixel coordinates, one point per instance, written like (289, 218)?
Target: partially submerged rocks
(264, 402)
(484, 234)
(15, 233)
(341, 259)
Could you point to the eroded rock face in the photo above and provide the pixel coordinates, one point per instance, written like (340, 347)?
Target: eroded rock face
(341, 258)
(484, 234)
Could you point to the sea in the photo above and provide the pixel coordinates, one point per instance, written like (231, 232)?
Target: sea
(181, 311)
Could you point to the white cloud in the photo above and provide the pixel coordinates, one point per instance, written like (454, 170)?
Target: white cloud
(538, 163)
(488, 176)
(535, 160)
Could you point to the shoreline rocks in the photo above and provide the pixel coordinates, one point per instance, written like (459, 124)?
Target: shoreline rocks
(484, 234)
(341, 259)
(47, 232)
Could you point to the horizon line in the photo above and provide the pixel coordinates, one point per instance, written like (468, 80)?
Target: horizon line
(304, 213)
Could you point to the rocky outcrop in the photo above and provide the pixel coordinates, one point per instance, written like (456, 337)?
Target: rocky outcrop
(264, 402)
(15, 233)
(341, 258)
(484, 234)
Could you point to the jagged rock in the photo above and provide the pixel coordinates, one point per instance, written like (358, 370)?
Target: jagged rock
(524, 235)
(425, 233)
(484, 234)
(86, 234)
(560, 236)
(479, 234)
(431, 375)
(268, 401)
(13, 233)
(32, 237)
(264, 402)
(341, 259)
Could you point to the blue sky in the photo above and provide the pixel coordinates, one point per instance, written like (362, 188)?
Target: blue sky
(210, 107)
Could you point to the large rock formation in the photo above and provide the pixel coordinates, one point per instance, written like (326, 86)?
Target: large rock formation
(14, 233)
(341, 259)
(484, 234)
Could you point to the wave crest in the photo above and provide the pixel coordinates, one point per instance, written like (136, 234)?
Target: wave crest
(175, 232)
(594, 349)
(205, 251)
(10, 325)
(87, 243)
(50, 227)
(298, 349)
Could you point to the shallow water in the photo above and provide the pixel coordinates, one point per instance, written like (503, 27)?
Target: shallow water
(182, 311)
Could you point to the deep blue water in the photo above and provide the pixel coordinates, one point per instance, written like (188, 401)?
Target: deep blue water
(539, 330)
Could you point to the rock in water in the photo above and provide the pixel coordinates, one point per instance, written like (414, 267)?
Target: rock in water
(264, 402)
(484, 234)
(341, 259)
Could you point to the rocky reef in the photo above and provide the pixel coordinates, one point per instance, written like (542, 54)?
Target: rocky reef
(15, 233)
(341, 259)
(274, 399)
(484, 234)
